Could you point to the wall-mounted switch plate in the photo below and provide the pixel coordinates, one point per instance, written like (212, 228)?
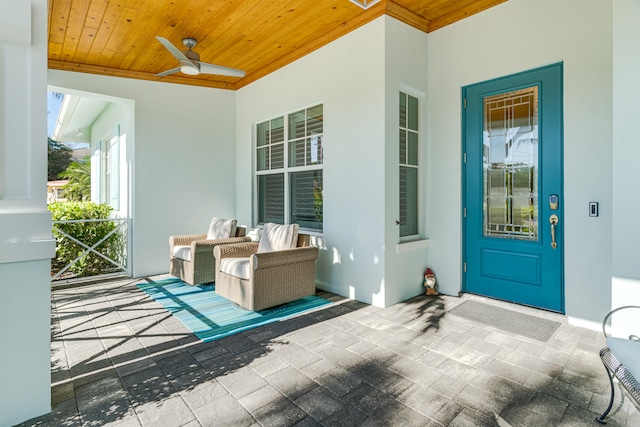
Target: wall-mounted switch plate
(593, 208)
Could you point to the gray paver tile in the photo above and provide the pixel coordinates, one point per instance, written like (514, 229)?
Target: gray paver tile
(552, 407)
(470, 418)
(375, 403)
(297, 356)
(62, 392)
(339, 381)
(407, 417)
(318, 368)
(224, 411)
(242, 382)
(347, 416)
(63, 413)
(508, 371)
(416, 372)
(432, 404)
(481, 400)
(167, 412)
(395, 384)
(281, 412)
(449, 386)
(204, 393)
(119, 358)
(191, 379)
(260, 398)
(318, 403)
(307, 422)
(575, 417)
(291, 383)
(574, 395)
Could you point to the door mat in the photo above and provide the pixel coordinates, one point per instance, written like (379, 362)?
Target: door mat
(526, 325)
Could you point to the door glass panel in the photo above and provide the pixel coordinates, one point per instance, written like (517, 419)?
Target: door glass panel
(510, 165)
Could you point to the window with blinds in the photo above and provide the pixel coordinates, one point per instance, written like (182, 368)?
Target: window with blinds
(408, 165)
(289, 187)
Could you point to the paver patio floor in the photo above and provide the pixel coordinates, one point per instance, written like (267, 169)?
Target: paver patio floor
(118, 358)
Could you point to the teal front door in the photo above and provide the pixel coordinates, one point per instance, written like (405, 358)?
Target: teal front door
(513, 192)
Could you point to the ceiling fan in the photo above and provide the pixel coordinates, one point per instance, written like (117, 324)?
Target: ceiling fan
(190, 61)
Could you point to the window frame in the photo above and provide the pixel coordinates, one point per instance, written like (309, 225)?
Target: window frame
(286, 169)
(421, 152)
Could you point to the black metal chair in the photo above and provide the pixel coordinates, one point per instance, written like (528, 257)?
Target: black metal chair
(621, 359)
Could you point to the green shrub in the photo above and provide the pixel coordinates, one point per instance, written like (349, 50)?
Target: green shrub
(89, 233)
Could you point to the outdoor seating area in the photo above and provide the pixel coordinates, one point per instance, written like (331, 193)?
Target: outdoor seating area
(278, 269)
(191, 256)
(119, 358)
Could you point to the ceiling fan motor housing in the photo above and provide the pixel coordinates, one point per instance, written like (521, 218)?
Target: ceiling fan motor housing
(194, 56)
(191, 68)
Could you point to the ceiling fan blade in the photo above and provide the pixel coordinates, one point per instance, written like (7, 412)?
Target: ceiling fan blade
(171, 71)
(219, 70)
(174, 50)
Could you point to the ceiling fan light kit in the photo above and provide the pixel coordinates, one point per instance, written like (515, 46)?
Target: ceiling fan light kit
(190, 61)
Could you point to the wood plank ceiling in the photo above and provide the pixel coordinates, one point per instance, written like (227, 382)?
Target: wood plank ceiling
(117, 37)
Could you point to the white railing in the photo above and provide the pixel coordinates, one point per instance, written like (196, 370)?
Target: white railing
(88, 252)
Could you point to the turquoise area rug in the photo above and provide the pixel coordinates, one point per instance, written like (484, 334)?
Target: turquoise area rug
(211, 316)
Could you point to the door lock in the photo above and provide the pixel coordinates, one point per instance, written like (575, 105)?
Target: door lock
(553, 219)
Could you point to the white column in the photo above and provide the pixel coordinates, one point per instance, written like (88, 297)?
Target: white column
(626, 152)
(26, 244)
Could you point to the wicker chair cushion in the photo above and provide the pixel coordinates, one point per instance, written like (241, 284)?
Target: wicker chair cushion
(278, 237)
(221, 228)
(238, 267)
(627, 352)
(182, 252)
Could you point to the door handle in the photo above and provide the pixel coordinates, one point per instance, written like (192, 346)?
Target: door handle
(553, 219)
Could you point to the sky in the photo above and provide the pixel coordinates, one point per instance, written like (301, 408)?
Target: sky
(54, 101)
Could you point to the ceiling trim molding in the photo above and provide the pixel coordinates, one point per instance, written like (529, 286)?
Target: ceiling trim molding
(114, 72)
(394, 10)
(460, 14)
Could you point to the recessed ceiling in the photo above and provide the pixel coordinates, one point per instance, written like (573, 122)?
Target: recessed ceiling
(118, 37)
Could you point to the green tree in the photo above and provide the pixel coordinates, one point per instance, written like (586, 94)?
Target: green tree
(59, 159)
(79, 176)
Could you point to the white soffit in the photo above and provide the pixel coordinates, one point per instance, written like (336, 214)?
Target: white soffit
(77, 115)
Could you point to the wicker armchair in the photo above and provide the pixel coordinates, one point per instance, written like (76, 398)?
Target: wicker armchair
(274, 278)
(198, 265)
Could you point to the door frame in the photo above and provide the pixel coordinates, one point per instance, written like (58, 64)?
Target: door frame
(542, 198)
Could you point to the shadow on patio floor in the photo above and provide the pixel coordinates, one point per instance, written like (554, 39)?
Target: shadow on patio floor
(118, 358)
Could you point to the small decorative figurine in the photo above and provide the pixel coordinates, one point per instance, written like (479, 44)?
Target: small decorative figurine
(430, 282)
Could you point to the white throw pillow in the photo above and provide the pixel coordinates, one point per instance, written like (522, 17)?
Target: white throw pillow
(221, 228)
(278, 237)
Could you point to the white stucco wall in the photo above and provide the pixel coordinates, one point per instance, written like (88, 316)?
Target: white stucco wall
(26, 244)
(626, 153)
(179, 149)
(406, 70)
(515, 36)
(347, 77)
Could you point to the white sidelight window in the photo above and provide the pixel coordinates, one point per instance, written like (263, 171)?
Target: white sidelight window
(289, 168)
(409, 166)
(110, 170)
